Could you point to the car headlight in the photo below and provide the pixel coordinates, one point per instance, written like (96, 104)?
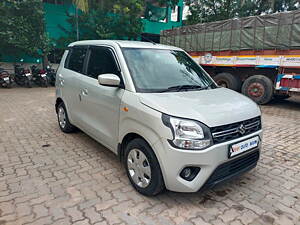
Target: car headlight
(188, 134)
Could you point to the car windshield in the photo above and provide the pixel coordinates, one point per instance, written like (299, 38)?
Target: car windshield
(160, 70)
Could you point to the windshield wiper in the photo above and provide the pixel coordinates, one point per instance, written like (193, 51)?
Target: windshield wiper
(184, 87)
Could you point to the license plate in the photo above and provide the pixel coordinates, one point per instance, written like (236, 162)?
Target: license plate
(43, 75)
(27, 74)
(6, 78)
(243, 146)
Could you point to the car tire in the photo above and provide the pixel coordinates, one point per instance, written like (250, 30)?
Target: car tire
(142, 168)
(63, 119)
(259, 88)
(228, 80)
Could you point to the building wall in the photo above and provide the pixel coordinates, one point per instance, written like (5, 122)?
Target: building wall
(155, 27)
(56, 17)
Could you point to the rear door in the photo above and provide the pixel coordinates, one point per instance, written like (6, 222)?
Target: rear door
(69, 79)
(100, 105)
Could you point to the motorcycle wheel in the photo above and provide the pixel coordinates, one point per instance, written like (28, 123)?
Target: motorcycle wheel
(52, 82)
(29, 84)
(8, 85)
(18, 82)
(46, 84)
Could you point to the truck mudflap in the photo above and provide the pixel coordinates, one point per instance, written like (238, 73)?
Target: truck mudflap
(288, 82)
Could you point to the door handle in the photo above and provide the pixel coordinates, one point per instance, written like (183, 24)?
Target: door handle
(84, 92)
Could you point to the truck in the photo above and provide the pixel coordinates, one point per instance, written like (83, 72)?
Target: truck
(258, 56)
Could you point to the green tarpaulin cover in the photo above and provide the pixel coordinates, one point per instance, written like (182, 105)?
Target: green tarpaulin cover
(276, 31)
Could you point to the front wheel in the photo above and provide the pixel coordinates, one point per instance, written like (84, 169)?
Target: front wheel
(259, 88)
(143, 168)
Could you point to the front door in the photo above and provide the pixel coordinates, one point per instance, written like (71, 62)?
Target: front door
(100, 105)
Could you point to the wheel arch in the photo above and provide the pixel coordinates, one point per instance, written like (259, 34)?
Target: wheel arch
(126, 139)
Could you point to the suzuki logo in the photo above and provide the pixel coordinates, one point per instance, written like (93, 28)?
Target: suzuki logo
(242, 129)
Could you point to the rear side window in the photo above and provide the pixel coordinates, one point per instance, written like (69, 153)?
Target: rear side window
(101, 61)
(76, 59)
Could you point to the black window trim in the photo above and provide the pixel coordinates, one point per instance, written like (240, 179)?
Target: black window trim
(112, 50)
(66, 65)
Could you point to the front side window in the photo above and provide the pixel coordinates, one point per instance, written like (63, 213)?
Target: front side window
(101, 61)
(159, 70)
(76, 59)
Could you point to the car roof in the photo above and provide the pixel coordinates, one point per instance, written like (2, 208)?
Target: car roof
(124, 44)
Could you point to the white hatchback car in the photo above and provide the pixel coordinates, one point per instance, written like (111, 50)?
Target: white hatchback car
(160, 112)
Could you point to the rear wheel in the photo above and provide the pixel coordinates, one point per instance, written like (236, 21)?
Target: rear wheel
(63, 119)
(228, 80)
(259, 88)
(143, 168)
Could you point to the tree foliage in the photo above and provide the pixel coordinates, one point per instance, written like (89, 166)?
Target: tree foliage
(22, 28)
(116, 19)
(163, 2)
(214, 10)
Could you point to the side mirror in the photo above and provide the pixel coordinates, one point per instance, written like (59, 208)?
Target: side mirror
(109, 79)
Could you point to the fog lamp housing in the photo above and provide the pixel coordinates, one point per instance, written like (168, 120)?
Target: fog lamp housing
(189, 173)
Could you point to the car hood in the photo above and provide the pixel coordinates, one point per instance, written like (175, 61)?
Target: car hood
(212, 107)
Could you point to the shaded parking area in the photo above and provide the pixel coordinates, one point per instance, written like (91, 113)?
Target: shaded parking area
(48, 177)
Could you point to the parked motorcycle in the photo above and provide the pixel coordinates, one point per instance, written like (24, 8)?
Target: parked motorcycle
(23, 77)
(51, 74)
(5, 79)
(39, 76)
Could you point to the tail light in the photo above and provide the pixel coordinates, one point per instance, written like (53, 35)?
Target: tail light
(43, 71)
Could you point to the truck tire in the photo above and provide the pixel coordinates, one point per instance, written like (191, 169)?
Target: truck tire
(259, 88)
(228, 80)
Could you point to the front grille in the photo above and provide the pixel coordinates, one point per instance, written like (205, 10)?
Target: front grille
(235, 130)
(232, 168)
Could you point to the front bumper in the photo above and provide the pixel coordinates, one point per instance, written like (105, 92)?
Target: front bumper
(213, 161)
